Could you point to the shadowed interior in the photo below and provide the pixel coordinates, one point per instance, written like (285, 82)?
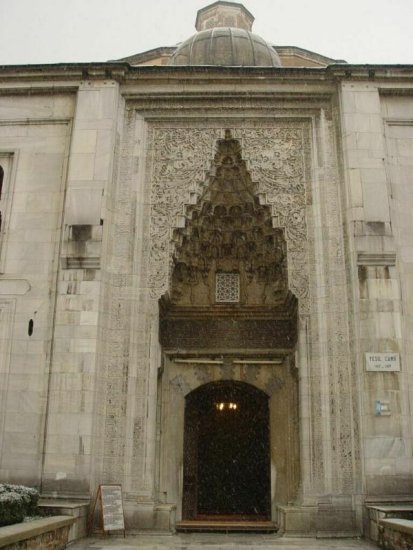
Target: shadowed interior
(227, 462)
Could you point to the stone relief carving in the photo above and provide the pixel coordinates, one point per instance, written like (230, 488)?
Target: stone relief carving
(227, 370)
(229, 234)
(276, 159)
(180, 384)
(274, 384)
(265, 377)
(203, 374)
(276, 156)
(250, 373)
(181, 159)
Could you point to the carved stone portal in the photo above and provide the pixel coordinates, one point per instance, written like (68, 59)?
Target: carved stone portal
(229, 317)
(230, 262)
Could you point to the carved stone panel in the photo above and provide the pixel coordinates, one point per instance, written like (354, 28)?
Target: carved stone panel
(227, 332)
(181, 161)
(229, 236)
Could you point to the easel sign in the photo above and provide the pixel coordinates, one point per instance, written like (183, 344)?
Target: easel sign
(111, 506)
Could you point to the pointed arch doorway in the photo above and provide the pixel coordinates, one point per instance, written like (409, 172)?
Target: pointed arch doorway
(226, 453)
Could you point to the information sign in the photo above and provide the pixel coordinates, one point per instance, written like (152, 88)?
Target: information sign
(383, 362)
(112, 516)
(112, 507)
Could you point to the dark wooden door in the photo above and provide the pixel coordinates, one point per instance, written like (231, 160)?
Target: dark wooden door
(226, 455)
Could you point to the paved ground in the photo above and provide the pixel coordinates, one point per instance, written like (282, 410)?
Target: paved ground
(219, 542)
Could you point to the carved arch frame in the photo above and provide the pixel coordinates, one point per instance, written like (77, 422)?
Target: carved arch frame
(277, 153)
(277, 381)
(177, 154)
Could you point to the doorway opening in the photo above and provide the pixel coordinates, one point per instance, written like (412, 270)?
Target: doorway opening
(227, 453)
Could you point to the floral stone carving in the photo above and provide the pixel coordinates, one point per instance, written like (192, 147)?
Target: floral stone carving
(185, 163)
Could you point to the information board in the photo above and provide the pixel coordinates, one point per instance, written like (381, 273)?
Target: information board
(112, 507)
(383, 362)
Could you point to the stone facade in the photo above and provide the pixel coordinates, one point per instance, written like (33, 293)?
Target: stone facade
(103, 168)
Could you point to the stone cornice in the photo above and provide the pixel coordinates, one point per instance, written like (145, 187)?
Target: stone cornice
(67, 74)
(64, 72)
(370, 72)
(144, 57)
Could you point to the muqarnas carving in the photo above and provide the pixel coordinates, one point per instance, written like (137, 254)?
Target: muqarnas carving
(229, 231)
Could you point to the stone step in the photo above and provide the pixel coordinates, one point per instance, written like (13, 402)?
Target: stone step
(226, 526)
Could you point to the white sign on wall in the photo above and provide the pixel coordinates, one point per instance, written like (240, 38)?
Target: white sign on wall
(383, 362)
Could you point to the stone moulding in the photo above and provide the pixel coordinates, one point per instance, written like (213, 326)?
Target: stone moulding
(385, 258)
(66, 77)
(70, 262)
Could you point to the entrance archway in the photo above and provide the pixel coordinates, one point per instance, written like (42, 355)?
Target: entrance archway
(228, 321)
(226, 453)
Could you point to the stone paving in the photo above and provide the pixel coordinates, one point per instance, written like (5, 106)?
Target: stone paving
(219, 542)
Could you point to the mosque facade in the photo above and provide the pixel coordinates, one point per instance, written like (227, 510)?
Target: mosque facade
(206, 282)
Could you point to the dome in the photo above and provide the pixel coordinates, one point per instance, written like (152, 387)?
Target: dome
(226, 46)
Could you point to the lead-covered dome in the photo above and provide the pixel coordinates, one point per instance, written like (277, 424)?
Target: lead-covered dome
(225, 39)
(226, 46)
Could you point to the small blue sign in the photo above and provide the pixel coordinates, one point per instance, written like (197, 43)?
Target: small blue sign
(378, 408)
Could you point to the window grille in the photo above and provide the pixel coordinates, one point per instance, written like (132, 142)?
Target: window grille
(227, 287)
